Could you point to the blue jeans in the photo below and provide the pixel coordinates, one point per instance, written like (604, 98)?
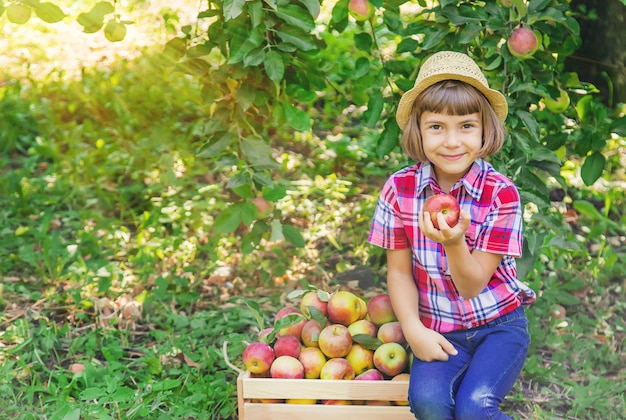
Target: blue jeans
(472, 384)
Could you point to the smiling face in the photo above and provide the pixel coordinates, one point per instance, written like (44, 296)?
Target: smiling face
(451, 143)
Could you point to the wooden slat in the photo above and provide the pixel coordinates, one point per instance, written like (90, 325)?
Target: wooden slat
(326, 412)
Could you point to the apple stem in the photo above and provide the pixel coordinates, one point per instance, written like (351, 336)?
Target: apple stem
(227, 360)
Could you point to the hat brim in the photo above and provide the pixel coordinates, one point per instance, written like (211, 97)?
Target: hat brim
(495, 98)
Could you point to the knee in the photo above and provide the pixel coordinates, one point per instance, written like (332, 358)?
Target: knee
(430, 405)
(476, 408)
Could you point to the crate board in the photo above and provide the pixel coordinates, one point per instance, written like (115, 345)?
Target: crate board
(251, 389)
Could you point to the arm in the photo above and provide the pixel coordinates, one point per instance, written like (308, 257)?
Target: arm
(425, 343)
(470, 271)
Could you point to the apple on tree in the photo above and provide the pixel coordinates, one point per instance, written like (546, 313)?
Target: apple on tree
(523, 43)
(445, 204)
(360, 10)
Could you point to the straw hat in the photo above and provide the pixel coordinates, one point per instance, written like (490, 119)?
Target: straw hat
(446, 65)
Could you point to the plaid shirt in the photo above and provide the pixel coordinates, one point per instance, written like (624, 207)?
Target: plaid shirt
(493, 202)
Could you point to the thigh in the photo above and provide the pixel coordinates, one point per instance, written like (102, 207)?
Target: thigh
(495, 366)
(433, 385)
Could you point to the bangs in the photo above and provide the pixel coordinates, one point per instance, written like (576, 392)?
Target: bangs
(451, 97)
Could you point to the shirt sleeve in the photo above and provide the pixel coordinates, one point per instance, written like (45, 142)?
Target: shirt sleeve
(387, 230)
(501, 231)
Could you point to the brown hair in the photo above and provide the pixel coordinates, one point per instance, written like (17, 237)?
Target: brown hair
(453, 97)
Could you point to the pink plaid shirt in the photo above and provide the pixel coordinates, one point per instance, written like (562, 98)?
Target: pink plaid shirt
(493, 202)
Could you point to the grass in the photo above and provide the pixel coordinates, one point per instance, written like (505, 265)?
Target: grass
(108, 263)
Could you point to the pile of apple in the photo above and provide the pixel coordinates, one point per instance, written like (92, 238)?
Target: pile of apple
(332, 336)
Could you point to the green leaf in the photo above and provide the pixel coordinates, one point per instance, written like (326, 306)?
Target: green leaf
(277, 231)
(258, 153)
(313, 6)
(296, 16)
(367, 341)
(244, 43)
(233, 8)
(618, 126)
(587, 208)
(293, 236)
(288, 321)
(217, 147)
(374, 109)
(92, 393)
(274, 66)
(49, 12)
(228, 220)
(297, 37)
(389, 138)
(257, 312)
(592, 168)
(296, 118)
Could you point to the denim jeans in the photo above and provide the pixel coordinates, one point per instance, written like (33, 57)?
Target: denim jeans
(472, 384)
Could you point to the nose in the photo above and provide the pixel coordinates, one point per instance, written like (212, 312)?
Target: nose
(453, 139)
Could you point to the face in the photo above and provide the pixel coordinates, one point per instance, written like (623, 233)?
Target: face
(451, 143)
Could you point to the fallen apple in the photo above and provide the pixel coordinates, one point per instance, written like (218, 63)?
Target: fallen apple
(523, 43)
(444, 204)
(258, 357)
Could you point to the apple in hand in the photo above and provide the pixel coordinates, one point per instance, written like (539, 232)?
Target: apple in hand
(335, 340)
(287, 367)
(390, 359)
(337, 368)
(344, 308)
(444, 204)
(523, 43)
(258, 357)
(287, 345)
(390, 332)
(313, 361)
(379, 309)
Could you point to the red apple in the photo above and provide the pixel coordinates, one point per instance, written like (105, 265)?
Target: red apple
(312, 298)
(337, 368)
(313, 361)
(379, 309)
(258, 357)
(287, 345)
(363, 326)
(360, 358)
(335, 340)
(360, 9)
(390, 359)
(390, 332)
(337, 402)
(444, 204)
(311, 333)
(370, 375)
(344, 308)
(287, 367)
(295, 328)
(523, 43)
(401, 377)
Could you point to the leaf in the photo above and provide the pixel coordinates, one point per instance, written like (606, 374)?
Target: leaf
(49, 12)
(243, 43)
(367, 341)
(618, 126)
(228, 220)
(258, 153)
(274, 66)
(293, 236)
(317, 315)
(92, 393)
(592, 168)
(257, 312)
(374, 108)
(296, 118)
(313, 6)
(297, 37)
(288, 321)
(277, 231)
(217, 147)
(233, 8)
(296, 16)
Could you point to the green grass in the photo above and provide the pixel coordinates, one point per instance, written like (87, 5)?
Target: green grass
(108, 258)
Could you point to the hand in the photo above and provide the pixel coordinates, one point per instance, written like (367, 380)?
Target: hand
(429, 345)
(445, 234)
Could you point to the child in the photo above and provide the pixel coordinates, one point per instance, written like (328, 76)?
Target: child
(455, 289)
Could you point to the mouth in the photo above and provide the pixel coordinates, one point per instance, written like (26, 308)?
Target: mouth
(453, 157)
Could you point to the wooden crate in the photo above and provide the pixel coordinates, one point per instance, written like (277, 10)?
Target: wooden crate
(251, 390)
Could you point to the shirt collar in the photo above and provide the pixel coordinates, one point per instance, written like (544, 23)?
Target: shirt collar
(473, 181)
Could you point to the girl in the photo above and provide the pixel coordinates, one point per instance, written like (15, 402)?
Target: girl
(455, 289)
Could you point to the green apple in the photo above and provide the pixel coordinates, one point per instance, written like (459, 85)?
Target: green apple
(557, 105)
